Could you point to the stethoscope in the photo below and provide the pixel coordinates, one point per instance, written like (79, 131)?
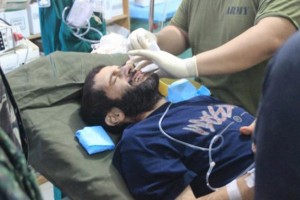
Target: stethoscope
(209, 149)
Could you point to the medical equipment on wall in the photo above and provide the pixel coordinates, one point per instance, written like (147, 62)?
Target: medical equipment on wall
(78, 19)
(14, 49)
(219, 137)
(10, 36)
(21, 54)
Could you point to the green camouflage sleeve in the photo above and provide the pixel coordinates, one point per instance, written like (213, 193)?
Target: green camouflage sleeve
(17, 180)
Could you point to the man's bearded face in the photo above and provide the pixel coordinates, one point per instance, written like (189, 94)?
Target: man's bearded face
(140, 98)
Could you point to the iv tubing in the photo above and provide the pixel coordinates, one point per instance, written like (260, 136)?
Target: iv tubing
(88, 28)
(209, 149)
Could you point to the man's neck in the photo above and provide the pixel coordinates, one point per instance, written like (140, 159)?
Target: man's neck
(159, 103)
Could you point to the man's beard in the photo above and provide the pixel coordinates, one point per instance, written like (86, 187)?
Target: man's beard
(141, 98)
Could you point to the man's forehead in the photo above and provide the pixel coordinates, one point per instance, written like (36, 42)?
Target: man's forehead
(101, 79)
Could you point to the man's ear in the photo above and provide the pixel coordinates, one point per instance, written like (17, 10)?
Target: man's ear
(114, 117)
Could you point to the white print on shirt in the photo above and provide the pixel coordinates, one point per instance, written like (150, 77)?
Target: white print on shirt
(204, 125)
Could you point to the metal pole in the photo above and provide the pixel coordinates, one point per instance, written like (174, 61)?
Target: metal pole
(151, 16)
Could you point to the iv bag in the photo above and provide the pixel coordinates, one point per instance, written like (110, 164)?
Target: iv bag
(44, 3)
(80, 13)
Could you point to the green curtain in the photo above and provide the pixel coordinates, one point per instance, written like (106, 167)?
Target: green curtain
(56, 35)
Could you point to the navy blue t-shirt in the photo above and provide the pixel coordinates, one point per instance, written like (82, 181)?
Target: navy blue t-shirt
(155, 166)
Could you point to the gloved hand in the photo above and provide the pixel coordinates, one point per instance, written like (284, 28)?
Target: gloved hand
(140, 39)
(177, 67)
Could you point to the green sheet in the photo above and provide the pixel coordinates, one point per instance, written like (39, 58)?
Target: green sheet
(48, 93)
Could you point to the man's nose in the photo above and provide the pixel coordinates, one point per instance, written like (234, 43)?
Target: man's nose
(125, 70)
(122, 71)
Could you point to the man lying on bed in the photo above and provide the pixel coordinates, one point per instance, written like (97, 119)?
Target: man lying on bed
(170, 150)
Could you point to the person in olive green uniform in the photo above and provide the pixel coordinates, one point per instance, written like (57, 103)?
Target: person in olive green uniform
(231, 41)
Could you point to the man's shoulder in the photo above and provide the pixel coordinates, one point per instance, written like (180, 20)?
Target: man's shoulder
(206, 99)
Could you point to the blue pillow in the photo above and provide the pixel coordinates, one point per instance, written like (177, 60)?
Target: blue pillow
(94, 139)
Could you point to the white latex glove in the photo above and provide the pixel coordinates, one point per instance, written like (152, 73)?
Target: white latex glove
(140, 39)
(177, 67)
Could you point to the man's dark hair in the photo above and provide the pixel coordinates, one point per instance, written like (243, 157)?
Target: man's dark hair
(95, 104)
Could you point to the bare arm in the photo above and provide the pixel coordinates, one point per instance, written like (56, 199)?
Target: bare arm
(188, 194)
(246, 193)
(251, 47)
(172, 39)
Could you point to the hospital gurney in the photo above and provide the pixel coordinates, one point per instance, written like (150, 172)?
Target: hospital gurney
(48, 94)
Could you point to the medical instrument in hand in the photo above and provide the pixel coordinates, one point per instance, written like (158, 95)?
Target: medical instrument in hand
(150, 68)
(173, 65)
(78, 19)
